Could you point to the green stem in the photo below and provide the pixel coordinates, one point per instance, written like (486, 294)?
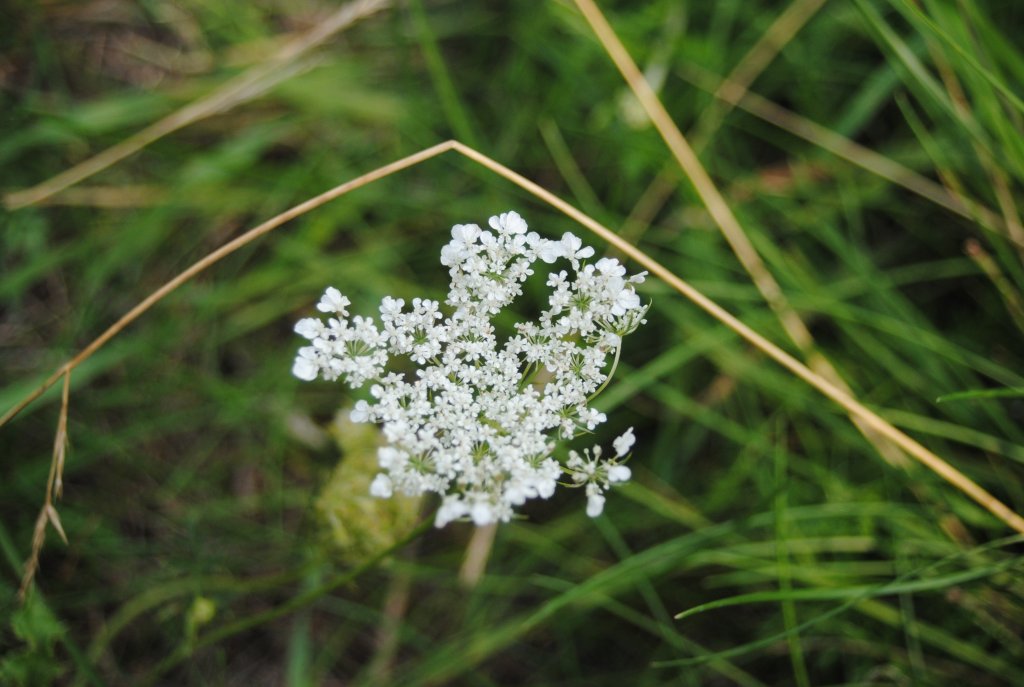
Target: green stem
(611, 373)
(528, 375)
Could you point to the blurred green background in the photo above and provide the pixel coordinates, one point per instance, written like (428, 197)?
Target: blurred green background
(216, 534)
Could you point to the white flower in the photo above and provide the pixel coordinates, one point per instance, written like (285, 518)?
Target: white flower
(610, 267)
(452, 508)
(468, 424)
(465, 233)
(381, 487)
(389, 457)
(390, 308)
(573, 248)
(309, 328)
(591, 418)
(482, 513)
(333, 301)
(623, 443)
(626, 299)
(509, 222)
(360, 413)
(305, 368)
(619, 473)
(549, 251)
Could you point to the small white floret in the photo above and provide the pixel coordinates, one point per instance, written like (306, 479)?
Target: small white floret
(381, 487)
(624, 443)
(465, 233)
(625, 300)
(360, 413)
(482, 514)
(573, 247)
(333, 301)
(618, 474)
(388, 457)
(509, 222)
(305, 369)
(309, 328)
(610, 267)
(452, 508)
(549, 251)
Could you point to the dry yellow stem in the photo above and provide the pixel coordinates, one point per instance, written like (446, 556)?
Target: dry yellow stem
(54, 487)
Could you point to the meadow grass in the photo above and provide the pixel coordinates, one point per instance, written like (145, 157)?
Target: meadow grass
(874, 168)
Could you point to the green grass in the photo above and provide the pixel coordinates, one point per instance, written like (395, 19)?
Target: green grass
(197, 554)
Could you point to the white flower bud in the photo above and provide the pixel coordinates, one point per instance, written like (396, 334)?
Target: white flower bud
(595, 505)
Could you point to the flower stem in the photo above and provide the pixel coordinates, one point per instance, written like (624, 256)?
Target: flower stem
(611, 373)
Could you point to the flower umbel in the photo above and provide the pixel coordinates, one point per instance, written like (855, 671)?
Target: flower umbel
(476, 425)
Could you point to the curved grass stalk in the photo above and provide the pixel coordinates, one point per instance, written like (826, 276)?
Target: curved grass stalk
(840, 396)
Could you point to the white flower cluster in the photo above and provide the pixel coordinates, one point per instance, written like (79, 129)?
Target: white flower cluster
(479, 423)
